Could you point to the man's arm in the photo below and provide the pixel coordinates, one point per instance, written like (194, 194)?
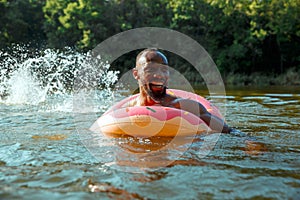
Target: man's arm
(198, 109)
(215, 123)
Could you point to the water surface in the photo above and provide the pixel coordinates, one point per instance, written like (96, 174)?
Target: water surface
(42, 154)
(48, 152)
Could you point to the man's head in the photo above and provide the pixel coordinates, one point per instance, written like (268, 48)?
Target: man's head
(152, 73)
(151, 55)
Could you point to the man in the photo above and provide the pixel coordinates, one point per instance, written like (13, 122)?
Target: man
(152, 74)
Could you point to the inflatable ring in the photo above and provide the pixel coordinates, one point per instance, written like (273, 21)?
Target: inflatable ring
(148, 121)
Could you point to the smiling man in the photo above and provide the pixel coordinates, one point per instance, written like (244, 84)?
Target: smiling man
(152, 74)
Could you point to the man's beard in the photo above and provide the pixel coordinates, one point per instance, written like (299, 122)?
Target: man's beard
(156, 95)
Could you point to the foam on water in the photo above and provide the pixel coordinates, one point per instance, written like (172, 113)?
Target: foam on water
(23, 87)
(46, 78)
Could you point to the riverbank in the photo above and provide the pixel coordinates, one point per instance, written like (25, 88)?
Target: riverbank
(290, 78)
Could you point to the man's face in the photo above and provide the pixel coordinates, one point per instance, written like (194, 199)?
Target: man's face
(153, 77)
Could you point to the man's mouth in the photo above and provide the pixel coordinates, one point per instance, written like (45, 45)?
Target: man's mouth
(156, 90)
(156, 86)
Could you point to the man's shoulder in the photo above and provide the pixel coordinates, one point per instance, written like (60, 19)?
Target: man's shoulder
(131, 103)
(172, 100)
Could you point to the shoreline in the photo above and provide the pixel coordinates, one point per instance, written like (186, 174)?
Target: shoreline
(289, 78)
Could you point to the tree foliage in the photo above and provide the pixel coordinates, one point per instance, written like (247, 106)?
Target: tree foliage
(242, 36)
(20, 21)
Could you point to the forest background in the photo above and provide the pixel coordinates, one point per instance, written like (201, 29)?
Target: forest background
(253, 42)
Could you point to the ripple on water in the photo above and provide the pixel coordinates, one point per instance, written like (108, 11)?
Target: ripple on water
(42, 156)
(279, 95)
(52, 179)
(11, 155)
(281, 102)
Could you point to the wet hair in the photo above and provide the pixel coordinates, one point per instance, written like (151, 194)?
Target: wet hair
(159, 56)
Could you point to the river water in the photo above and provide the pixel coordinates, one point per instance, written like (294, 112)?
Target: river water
(47, 151)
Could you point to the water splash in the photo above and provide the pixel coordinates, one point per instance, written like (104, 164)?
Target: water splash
(39, 77)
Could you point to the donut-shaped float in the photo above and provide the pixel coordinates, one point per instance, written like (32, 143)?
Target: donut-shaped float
(148, 121)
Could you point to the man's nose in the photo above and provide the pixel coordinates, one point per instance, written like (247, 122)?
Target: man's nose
(158, 74)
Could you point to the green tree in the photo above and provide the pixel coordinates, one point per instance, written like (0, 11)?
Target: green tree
(277, 24)
(73, 23)
(241, 35)
(272, 32)
(21, 21)
(223, 34)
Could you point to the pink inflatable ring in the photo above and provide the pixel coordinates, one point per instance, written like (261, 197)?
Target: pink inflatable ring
(148, 121)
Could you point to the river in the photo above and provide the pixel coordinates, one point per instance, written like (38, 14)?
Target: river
(47, 151)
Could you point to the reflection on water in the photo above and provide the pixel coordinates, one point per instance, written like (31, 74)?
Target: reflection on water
(43, 155)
